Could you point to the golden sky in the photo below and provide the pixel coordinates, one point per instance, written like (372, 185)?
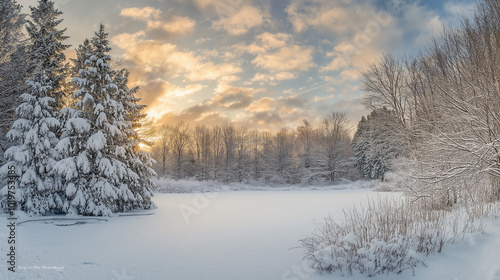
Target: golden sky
(262, 64)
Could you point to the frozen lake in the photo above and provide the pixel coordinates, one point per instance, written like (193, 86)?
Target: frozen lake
(231, 235)
(220, 236)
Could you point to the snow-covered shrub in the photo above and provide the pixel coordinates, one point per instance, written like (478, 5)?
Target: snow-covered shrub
(390, 236)
(373, 258)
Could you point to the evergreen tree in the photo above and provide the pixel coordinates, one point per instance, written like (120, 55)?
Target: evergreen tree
(47, 48)
(360, 146)
(14, 68)
(138, 161)
(134, 111)
(376, 143)
(38, 191)
(103, 171)
(77, 63)
(11, 24)
(36, 130)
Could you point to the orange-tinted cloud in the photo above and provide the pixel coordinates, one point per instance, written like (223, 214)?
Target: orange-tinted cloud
(241, 21)
(292, 58)
(152, 16)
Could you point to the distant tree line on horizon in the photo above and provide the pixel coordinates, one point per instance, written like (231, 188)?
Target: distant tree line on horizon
(304, 155)
(229, 153)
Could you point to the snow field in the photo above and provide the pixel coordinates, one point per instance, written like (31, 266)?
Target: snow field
(231, 235)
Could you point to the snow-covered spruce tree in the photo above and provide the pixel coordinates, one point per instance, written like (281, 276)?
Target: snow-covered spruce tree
(360, 146)
(77, 63)
(13, 67)
(11, 24)
(36, 129)
(102, 172)
(47, 48)
(376, 143)
(38, 191)
(138, 161)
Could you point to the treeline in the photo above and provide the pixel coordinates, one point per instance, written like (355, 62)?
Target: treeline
(446, 102)
(236, 154)
(68, 128)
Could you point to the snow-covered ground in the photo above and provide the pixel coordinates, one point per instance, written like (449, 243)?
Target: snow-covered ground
(231, 235)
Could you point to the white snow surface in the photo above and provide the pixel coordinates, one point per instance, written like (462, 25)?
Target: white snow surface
(245, 235)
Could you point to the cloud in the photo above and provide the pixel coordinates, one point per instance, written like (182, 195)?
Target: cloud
(203, 4)
(176, 91)
(201, 40)
(273, 78)
(273, 113)
(146, 13)
(203, 71)
(292, 58)
(199, 114)
(381, 32)
(230, 99)
(265, 120)
(264, 43)
(337, 16)
(277, 57)
(262, 105)
(227, 79)
(127, 40)
(458, 8)
(241, 21)
(162, 96)
(421, 21)
(209, 111)
(271, 41)
(168, 59)
(234, 98)
(294, 101)
(281, 76)
(176, 24)
(350, 74)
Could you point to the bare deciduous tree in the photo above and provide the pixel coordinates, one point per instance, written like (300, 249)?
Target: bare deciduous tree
(180, 142)
(336, 146)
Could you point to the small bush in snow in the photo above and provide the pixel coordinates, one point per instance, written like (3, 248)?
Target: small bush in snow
(389, 236)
